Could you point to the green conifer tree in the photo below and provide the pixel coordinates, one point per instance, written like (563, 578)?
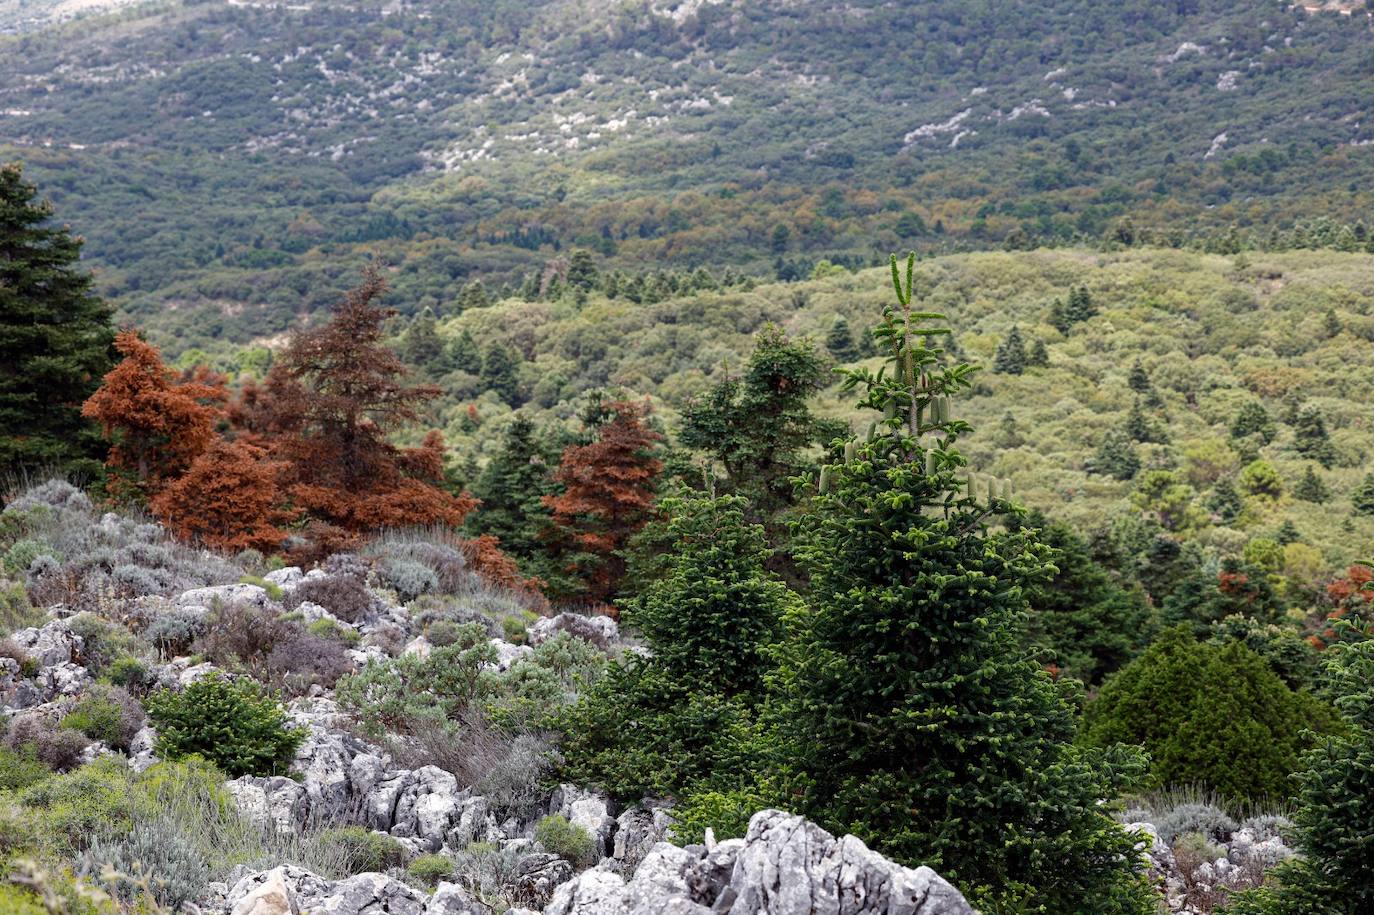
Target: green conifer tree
(1311, 488)
(461, 353)
(1252, 420)
(1080, 306)
(55, 338)
(1010, 358)
(904, 676)
(421, 346)
(512, 487)
(839, 340)
(1225, 501)
(582, 271)
(499, 373)
(1310, 438)
(1138, 379)
(1038, 356)
(1115, 457)
(1362, 499)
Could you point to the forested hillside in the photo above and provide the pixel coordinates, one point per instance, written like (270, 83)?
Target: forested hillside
(230, 164)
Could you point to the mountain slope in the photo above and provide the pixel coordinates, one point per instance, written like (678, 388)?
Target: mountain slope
(231, 163)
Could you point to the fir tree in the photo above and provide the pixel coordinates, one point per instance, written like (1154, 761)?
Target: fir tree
(1138, 379)
(1140, 428)
(904, 675)
(55, 337)
(474, 295)
(1310, 438)
(1039, 355)
(1311, 488)
(1080, 306)
(582, 271)
(1287, 533)
(1115, 457)
(1059, 318)
(1011, 355)
(839, 341)
(512, 487)
(500, 373)
(421, 346)
(758, 425)
(1362, 499)
(461, 353)
(1225, 501)
(1331, 324)
(1252, 420)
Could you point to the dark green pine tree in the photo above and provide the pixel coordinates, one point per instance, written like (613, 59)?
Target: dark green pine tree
(1141, 428)
(1010, 358)
(1059, 317)
(1138, 379)
(55, 338)
(1090, 624)
(1252, 420)
(1331, 324)
(839, 340)
(1080, 306)
(1225, 501)
(907, 710)
(1038, 356)
(500, 373)
(512, 487)
(1311, 488)
(678, 720)
(421, 345)
(1310, 438)
(1115, 457)
(582, 271)
(461, 354)
(1287, 533)
(1362, 499)
(474, 295)
(758, 426)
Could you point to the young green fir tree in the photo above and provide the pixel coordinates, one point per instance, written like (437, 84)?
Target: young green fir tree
(1010, 358)
(839, 340)
(1362, 499)
(1311, 488)
(55, 338)
(500, 373)
(1310, 438)
(907, 710)
(512, 487)
(1038, 356)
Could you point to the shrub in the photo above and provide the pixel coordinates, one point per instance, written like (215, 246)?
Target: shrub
(326, 628)
(362, 851)
(569, 841)
(1269, 826)
(108, 714)
(1211, 715)
(152, 854)
(302, 660)
(27, 665)
(234, 725)
(21, 555)
(128, 672)
(430, 869)
(102, 641)
(513, 786)
(1204, 819)
(15, 610)
(172, 633)
(20, 768)
(344, 594)
(72, 810)
(514, 629)
(57, 748)
(408, 578)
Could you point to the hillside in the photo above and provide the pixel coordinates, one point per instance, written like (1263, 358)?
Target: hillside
(1212, 333)
(231, 164)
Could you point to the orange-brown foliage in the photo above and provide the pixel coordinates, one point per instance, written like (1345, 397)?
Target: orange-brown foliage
(229, 499)
(157, 424)
(328, 408)
(608, 494)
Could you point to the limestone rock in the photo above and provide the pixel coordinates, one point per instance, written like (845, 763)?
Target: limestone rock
(599, 630)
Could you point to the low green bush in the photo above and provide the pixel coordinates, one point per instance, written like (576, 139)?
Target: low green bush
(569, 841)
(109, 714)
(360, 851)
(234, 724)
(430, 869)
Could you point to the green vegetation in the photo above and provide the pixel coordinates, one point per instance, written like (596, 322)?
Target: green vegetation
(567, 840)
(234, 724)
(228, 181)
